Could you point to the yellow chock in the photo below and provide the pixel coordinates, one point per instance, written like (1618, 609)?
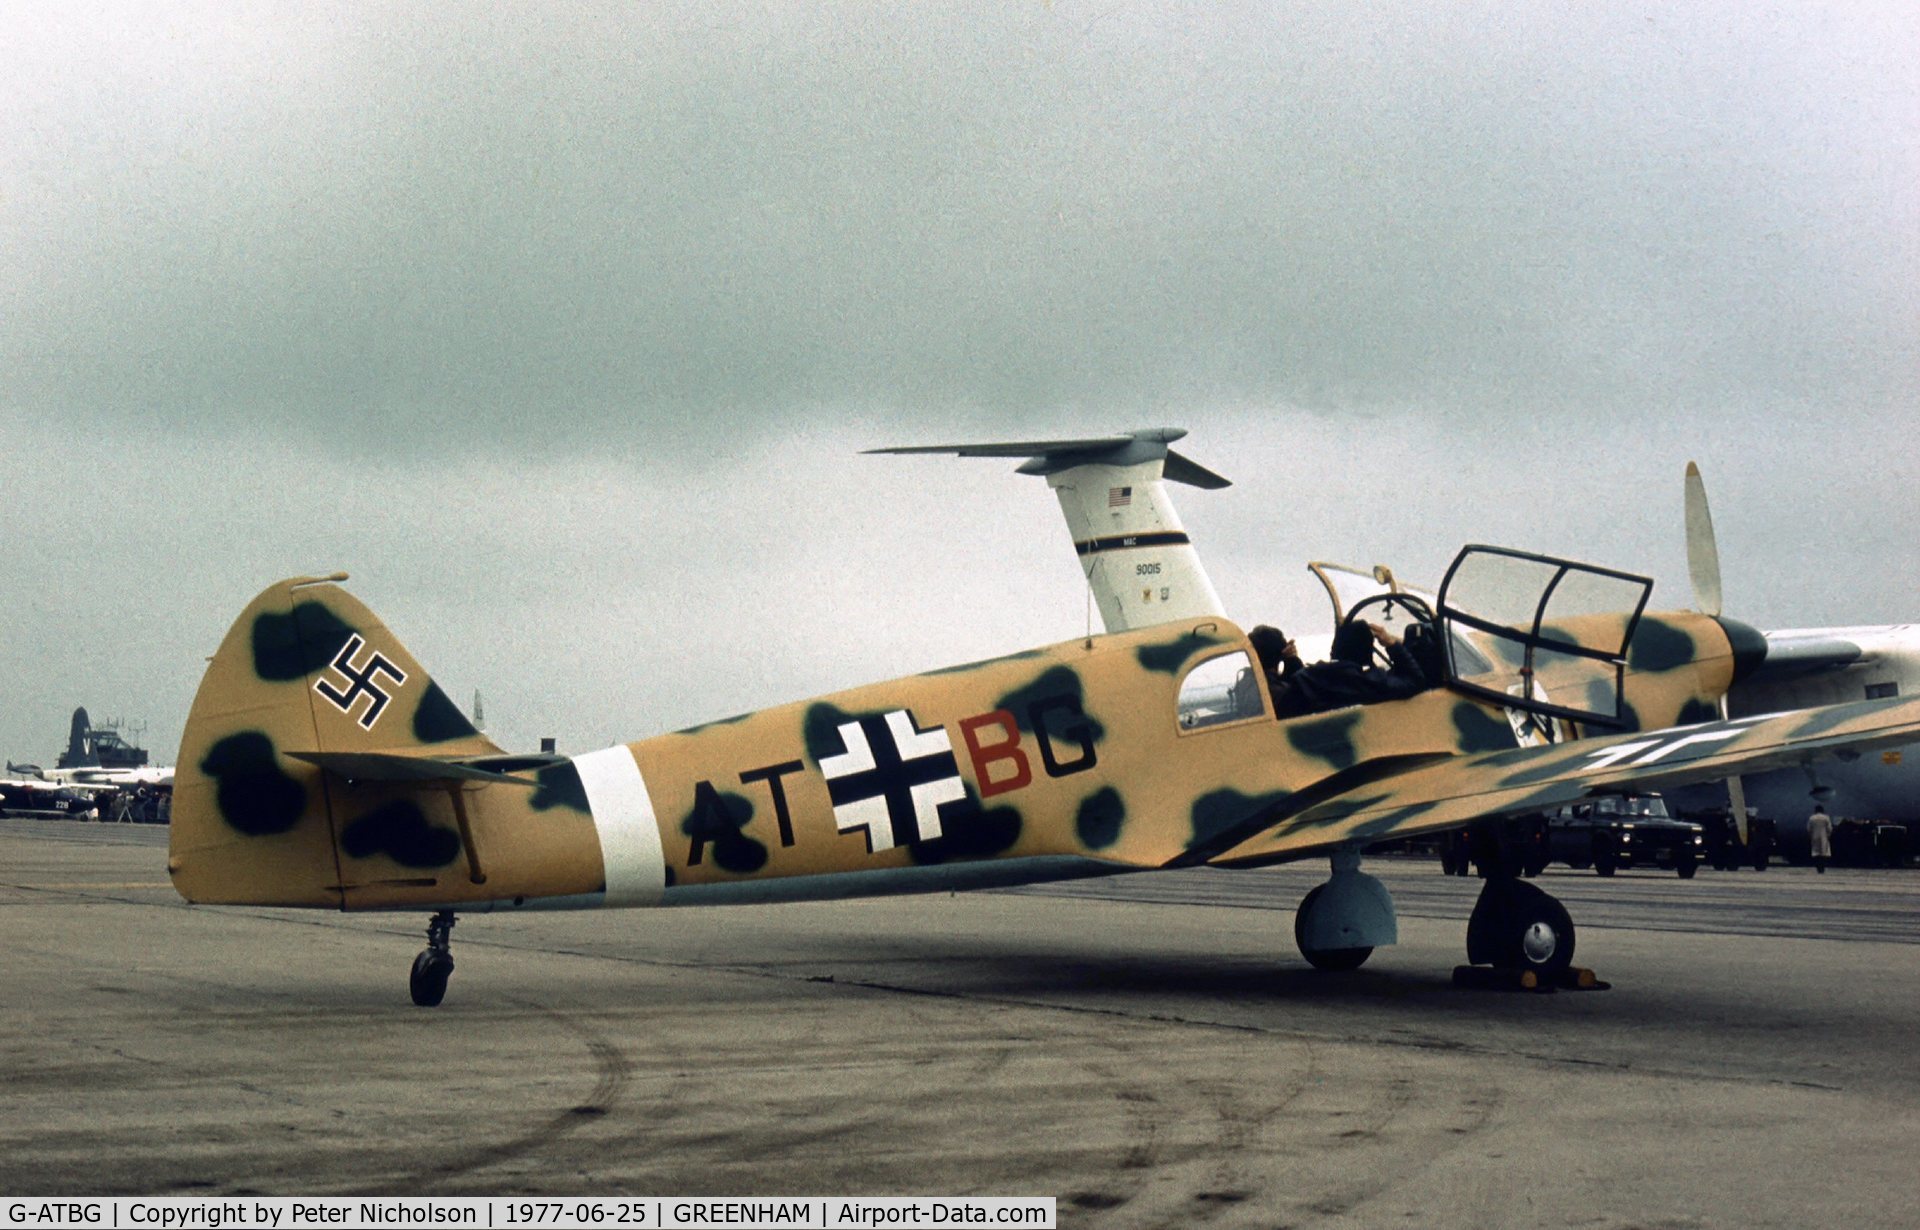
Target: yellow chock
(1575, 978)
(1491, 978)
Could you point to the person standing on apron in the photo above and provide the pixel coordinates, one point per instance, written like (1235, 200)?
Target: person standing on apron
(1820, 838)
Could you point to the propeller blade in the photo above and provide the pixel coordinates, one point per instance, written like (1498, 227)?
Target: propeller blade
(1737, 804)
(1703, 555)
(1703, 566)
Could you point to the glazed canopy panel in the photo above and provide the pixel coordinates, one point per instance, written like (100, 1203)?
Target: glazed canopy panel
(1538, 633)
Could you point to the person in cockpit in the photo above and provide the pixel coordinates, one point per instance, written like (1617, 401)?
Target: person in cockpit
(1350, 676)
(1279, 659)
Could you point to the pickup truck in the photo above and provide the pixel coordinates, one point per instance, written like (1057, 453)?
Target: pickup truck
(1624, 830)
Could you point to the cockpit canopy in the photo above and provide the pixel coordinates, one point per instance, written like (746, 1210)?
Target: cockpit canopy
(1537, 633)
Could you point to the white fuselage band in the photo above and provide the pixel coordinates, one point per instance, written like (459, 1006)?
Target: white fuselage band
(629, 835)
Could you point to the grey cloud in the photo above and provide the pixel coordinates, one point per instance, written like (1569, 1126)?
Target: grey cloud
(539, 224)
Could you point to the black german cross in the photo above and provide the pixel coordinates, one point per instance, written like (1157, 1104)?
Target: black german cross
(364, 679)
(893, 778)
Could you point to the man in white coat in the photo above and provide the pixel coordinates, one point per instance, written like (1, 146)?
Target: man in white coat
(1820, 838)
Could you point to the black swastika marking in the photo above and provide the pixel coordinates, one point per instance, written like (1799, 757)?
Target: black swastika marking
(363, 680)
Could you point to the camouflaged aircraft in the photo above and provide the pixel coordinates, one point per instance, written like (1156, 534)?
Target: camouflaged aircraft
(322, 766)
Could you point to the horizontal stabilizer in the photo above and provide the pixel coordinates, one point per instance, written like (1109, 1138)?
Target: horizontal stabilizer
(1017, 448)
(1052, 456)
(389, 767)
(1184, 469)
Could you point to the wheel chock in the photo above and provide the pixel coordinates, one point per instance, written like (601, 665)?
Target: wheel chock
(1492, 978)
(1574, 978)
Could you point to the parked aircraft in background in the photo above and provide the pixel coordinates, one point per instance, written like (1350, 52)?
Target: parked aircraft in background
(322, 766)
(1806, 668)
(22, 795)
(97, 756)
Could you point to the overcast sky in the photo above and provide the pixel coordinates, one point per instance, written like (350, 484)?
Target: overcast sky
(561, 326)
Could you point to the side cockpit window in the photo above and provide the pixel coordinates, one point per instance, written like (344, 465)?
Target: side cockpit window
(1217, 691)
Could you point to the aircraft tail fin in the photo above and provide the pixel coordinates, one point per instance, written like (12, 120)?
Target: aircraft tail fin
(1135, 553)
(79, 732)
(306, 680)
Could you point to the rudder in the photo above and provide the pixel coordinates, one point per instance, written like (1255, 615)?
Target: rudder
(306, 668)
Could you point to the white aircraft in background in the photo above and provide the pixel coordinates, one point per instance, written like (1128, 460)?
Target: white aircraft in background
(96, 776)
(97, 757)
(1802, 668)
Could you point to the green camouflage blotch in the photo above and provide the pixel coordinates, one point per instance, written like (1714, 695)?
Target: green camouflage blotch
(1658, 646)
(1336, 810)
(439, 720)
(820, 730)
(293, 646)
(1100, 818)
(1697, 710)
(1168, 657)
(1386, 823)
(400, 831)
(1329, 739)
(725, 721)
(559, 786)
(968, 832)
(1505, 653)
(254, 794)
(1215, 813)
(1565, 636)
(1602, 695)
(1052, 684)
(1480, 731)
(1547, 769)
(717, 820)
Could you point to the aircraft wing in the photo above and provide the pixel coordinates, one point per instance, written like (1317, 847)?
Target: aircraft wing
(1424, 795)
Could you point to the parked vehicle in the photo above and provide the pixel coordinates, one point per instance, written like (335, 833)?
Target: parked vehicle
(1724, 849)
(1625, 830)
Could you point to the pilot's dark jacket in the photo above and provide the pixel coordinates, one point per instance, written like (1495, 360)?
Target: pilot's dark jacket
(1320, 686)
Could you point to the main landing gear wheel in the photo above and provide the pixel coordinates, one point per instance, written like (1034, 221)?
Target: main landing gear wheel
(1334, 960)
(1516, 926)
(434, 965)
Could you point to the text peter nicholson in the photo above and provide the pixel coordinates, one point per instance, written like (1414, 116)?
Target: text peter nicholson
(642, 1213)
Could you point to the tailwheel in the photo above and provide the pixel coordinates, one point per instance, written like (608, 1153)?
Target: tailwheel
(1341, 922)
(1332, 959)
(1516, 926)
(434, 965)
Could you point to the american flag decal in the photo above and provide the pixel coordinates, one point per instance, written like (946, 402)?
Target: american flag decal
(1119, 497)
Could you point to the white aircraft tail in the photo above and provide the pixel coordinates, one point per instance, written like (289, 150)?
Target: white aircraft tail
(1139, 563)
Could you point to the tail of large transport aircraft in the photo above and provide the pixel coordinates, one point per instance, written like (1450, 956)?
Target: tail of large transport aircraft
(1139, 563)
